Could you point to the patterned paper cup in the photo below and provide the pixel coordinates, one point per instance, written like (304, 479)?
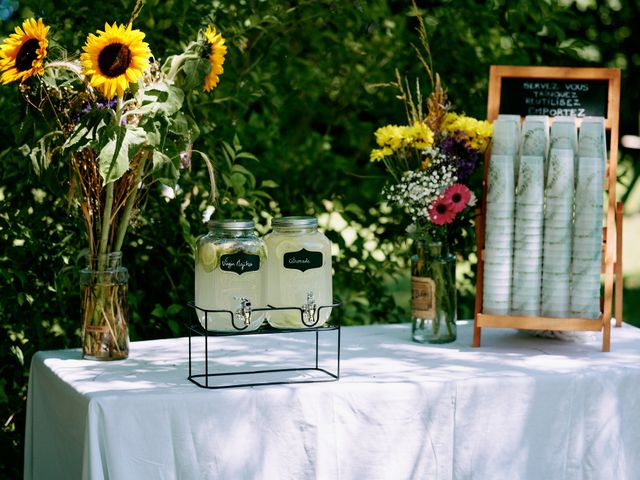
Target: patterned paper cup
(498, 255)
(585, 295)
(556, 252)
(534, 140)
(582, 283)
(592, 266)
(587, 250)
(556, 298)
(496, 309)
(499, 225)
(533, 235)
(556, 266)
(591, 314)
(501, 179)
(558, 217)
(593, 231)
(506, 134)
(496, 240)
(526, 277)
(527, 219)
(500, 214)
(554, 311)
(564, 131)
(529, 252)
(558, 234)
(496, 295)
(530, 187)
(526, 288)
(560, 174)
(525, 302)
(521, 312)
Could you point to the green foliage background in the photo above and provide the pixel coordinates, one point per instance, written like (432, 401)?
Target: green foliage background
(290, 128)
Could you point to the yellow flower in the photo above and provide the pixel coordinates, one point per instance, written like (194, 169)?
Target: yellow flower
(22, 54)
(421, 135)
(390, 136)
(477, 133)
(216, 57)
(380, 154)
(115, 58)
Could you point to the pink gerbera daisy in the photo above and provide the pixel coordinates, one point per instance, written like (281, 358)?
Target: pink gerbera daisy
(458, 196)
(441, 211)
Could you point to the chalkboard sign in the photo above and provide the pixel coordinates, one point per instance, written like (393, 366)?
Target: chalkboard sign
(554, 97)
(555, 92)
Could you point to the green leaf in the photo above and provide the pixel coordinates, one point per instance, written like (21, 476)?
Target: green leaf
(268, 184)
(158, 311)
(88, 129)
(165, 169)
(195, 69)
(123, 143)
(247, 155)
(160, 98)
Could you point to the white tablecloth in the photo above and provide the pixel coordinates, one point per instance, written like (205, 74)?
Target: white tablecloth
(517, 408)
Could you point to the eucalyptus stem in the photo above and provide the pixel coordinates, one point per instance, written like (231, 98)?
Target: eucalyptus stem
(128, 207)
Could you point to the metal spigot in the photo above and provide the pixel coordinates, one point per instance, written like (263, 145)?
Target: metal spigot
(309, 309)
(244, 312)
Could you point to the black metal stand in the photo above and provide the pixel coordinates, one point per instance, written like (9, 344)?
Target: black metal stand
(212, 380)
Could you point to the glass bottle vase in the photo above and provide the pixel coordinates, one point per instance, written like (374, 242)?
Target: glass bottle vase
(433, 293)
(105, 312)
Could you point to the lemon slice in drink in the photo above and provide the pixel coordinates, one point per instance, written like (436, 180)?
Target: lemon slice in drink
(208, 256)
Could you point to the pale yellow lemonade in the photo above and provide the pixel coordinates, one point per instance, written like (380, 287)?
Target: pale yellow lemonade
(229, 272)
(298, 272)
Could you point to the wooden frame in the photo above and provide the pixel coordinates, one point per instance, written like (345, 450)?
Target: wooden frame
(612, 238)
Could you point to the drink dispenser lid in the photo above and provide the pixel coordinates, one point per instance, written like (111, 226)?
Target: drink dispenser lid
(231, 224)
(294, 222)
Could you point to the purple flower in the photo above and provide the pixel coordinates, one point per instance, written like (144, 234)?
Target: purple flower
(462, 157)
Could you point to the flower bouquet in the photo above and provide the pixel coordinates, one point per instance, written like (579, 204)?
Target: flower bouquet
(431, 161)
(118, 120)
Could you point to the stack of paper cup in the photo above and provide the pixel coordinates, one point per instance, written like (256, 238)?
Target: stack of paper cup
(558, 221)
(528, 235)
(592, 139)
(506, 139)
(587, 239)
(498, 261)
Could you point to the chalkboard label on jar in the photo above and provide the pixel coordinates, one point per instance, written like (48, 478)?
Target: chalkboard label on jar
(240, 263)
(302, 260)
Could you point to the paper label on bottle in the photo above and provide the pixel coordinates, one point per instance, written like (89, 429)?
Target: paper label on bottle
(96, 329)
(239, 263)
(302, 260)
(423, 297)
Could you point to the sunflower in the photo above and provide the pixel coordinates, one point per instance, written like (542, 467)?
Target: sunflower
(115, 58)
(216, 57)
(22, 54)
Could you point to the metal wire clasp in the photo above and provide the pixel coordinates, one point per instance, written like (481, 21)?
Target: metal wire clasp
(244, 312)
(309, 309)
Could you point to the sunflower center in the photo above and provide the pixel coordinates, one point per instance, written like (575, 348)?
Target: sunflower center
(441, 208)
(456, 198)
(27, 54)
(114, 59)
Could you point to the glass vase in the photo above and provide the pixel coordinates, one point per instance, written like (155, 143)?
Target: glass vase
(105, 331)
(433, 293)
